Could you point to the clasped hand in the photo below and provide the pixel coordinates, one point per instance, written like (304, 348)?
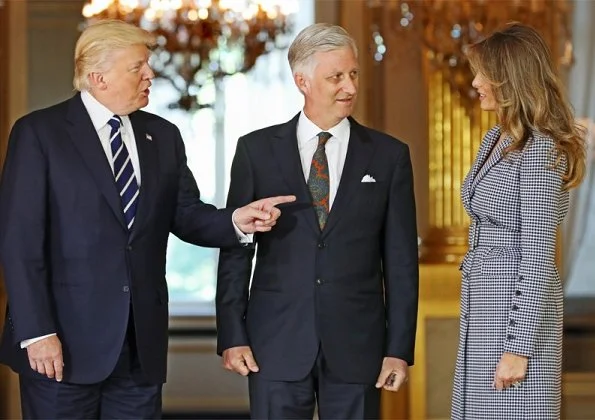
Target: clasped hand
(393, 375)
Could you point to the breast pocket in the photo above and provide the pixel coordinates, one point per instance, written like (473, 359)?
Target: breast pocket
(371, 193)
(501, 262)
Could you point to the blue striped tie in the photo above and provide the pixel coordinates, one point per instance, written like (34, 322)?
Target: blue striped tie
(123, 171)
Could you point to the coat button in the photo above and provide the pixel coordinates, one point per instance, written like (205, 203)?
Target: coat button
(515, 308)
(319, 281)
(129, 247)
(510, 337)
(125, 289)
(518, 293)
(321, 245)
(512, 322)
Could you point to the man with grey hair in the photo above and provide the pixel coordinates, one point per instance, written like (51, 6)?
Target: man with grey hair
(330, 316)
(91, 189)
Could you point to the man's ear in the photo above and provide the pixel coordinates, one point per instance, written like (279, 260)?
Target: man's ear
(302, 82)
(97, 80)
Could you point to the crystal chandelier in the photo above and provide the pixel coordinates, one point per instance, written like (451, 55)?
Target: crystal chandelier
(445, 27)
(200, 41)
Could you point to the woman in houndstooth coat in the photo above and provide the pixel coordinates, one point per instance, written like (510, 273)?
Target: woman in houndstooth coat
(516, 193)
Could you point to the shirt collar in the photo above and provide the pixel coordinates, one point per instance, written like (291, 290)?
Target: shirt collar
(307, 130)
(99, 114)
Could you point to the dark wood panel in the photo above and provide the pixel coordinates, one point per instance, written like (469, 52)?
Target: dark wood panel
(4, 391)
(3, 80)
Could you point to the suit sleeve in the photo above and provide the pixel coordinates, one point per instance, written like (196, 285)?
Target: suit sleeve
(540, 186)
(23, 235)
(400, 263)
(195, 221)
(235, 264)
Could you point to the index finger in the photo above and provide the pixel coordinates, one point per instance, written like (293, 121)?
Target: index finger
(280, 199)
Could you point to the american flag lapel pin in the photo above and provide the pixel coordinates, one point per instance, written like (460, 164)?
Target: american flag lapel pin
(148, 136)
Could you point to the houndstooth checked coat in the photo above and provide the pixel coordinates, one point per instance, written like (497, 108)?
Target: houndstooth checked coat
(511, 299)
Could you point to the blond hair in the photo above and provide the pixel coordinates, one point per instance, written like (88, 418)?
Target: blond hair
(518, 65)
(98, 41)
(319, 37)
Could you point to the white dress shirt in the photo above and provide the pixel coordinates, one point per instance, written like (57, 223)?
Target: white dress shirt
(100, 116)
(336, 149)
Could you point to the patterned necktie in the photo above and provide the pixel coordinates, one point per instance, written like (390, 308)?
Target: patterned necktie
(319, 181)
(123, 171)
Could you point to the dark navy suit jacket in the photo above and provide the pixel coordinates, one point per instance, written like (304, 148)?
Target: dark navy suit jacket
(351, 288)
(70, 265)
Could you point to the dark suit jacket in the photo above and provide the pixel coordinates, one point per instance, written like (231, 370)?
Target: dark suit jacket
(351, 289)
(70, 264)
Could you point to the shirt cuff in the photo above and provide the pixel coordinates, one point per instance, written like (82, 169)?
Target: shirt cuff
(30, 341)
(244, 238)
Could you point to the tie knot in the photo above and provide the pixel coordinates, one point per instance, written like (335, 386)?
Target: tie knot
(323, 137)
(115, 122)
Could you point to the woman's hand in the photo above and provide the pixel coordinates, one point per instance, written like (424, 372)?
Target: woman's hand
(511, 370)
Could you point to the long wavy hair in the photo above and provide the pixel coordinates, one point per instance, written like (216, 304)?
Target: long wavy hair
(518, 65)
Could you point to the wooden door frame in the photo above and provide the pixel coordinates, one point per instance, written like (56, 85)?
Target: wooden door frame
(13, 104)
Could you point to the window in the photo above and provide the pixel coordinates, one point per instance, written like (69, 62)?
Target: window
(246, 102)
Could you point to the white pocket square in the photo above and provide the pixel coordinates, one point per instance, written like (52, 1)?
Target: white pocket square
(368, 178)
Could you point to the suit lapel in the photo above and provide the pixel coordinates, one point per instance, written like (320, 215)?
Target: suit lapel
(285, 150)
(85, 139)
(359, 153)
(149, 162)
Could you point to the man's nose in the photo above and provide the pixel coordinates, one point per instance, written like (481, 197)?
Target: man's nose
(350, 86)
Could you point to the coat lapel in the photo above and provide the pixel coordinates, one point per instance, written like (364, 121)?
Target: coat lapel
(149, 162)
(85, 139)
(285, 150)
(359, 153)
(488, 161)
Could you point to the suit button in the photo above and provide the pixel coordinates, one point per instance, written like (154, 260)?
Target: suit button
(510, 337)
(319, 281)
(512, 322)
(129, 247)
(321, 245)
(125, 289)
(518, 293)
(515, 308)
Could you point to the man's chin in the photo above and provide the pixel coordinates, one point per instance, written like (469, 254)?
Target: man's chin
(143, 102)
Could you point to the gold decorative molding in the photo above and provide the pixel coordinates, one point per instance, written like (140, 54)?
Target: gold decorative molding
(438, 301)
(454, 136)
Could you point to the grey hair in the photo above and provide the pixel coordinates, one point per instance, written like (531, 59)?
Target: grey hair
(98, 41)
(319, 37)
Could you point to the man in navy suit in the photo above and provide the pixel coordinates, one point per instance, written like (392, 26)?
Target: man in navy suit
(91, 189)
(330, 316)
